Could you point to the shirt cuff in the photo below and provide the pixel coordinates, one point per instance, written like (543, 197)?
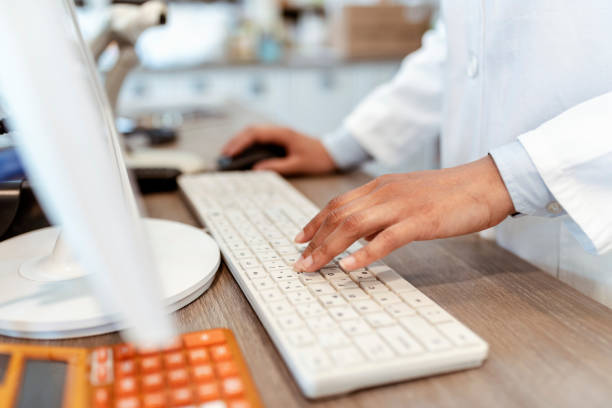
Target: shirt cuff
(527, 189)
(344, 149)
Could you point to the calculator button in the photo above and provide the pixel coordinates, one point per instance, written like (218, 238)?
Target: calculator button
(198, 356)
(233, 387)
(101, 398)
(220, 353)
(178, 377)
(131, 402)
(124, 351)
(203, 373)
(125, 368)
(226, 369)
(174, 360)
(102, 374)
(126, 386)
(181, 396)
(239, 403)
(150, 364)
(175, 345)
(156, 400)
(207, 392)
(152, 382)
(101, 354)
(207, 338)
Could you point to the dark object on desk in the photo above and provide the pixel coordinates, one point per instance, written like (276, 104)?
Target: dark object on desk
(156, 180)
(251, 155)
(19, 209)
(3, 127)
(154, 136)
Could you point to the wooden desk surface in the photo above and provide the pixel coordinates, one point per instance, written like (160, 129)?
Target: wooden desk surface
(550, 346)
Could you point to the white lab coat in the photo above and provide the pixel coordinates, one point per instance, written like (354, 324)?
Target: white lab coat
(495, 71)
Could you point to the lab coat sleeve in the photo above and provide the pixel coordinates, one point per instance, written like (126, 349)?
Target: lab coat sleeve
(573, 155)
(396, 117)
(527, 189)
(344, 149)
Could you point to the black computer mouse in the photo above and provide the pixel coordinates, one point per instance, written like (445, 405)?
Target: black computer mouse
(246, 159)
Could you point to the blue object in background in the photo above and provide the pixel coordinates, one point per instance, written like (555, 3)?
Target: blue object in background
(10, 165)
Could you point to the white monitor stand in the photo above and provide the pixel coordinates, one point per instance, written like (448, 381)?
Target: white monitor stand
(71, 152)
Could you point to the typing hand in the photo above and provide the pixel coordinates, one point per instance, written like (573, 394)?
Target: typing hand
(305, 155)
(393, 210)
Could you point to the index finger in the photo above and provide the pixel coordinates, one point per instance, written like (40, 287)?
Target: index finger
(254, 134)
(315, 223)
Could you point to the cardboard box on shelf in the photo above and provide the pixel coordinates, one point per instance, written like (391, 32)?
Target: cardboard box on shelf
(379, 31)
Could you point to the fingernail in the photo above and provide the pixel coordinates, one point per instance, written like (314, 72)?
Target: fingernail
(348, 263)
(307, 263)
(299, 237)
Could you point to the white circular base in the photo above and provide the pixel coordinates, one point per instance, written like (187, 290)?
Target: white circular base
(186, 258)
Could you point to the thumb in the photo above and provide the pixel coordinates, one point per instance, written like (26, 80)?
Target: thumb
(285, 165)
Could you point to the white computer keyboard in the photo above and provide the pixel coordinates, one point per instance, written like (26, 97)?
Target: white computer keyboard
(336, 331)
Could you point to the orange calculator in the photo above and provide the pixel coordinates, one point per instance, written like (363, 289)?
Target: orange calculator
(202, 369)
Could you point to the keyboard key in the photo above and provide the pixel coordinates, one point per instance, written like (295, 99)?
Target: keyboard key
(425, 333)
(361, 275)
(319, 323)
(256, 273)
(333, 273)
(346, 356)
(203, 373)
(243, 253)
(286, 250)
(435, 314)
(233, 387)
(416, 299)
(321, 289)
(342, 284)
(310, 309)
(300, 296)
(309, 278)
(249, 263)
(152, 382)
(208, 392)
(263, 283)
(354, 294)
(271, 295)
(101, 354)
(373, 347)
(283, 275)
(268, 256)
(280, 307)
(101, 398)
(373, 286)
(341, 313)
(207, 338)
(220, 353)
(366, 306)
(290, 322)
(301, 337)
(330, 339)
(291, 285)
(332, 300)
(102, 374)
(355, 327)
(460, 335)
(198, 356)
(379, 319)
(400, 309)
(385, 298)
(315, 359)
(400, 341)
(235, 403)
